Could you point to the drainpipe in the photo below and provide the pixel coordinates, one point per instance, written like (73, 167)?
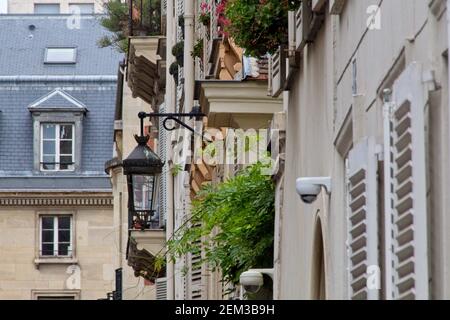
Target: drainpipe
(189, 72)
(170, 108)
(445, 291)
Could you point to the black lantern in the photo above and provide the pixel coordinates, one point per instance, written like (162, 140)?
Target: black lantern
(142, 168)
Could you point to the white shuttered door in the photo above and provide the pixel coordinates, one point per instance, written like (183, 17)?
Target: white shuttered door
(362, 219)
(405, 189)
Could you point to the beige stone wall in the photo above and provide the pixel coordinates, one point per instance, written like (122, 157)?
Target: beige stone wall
(134, 288)
(94, 245)
(27, 6)
(319, 102)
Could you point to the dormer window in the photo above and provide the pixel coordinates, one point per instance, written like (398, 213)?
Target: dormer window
(57, 132)
(60, 55)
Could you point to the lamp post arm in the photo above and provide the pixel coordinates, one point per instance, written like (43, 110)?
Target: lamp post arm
(171, 116)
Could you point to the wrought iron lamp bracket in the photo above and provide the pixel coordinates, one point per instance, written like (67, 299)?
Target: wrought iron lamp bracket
(195, 113)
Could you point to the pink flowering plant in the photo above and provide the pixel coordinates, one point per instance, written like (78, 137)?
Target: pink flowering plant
(222, 21)
(205, 14)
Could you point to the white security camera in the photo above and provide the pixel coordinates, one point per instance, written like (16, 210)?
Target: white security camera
(309, 188)
(253, 280)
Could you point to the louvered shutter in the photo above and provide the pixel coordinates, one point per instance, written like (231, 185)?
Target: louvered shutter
(405, 189)
(161, 289)
(195, 273)
(362, 218)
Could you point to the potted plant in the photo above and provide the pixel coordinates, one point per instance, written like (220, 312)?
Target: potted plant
(198, 49)
(178, 53)
(262, 29)
(205, 14)
(173, 70)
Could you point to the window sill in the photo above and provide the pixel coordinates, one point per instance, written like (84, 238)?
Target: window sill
(54, 260)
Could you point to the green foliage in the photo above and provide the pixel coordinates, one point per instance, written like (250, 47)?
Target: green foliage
(116, 20)
(234, 221)
(176, 169)
(204, 19)
(173, 70)
(178, 53)
(259, 26)
(198, 49)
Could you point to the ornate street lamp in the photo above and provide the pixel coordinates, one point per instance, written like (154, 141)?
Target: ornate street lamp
(142, 168)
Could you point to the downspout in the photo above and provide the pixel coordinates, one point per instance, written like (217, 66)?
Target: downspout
(189, 83)
(445, 291)
(170, 108)
(189, 72)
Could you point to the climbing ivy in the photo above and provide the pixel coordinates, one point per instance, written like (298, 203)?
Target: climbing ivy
(234, 222)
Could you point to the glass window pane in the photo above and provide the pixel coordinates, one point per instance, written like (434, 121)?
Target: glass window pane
(46, 8)
(47, 223)
(64, 236)
(48, 159)
(47, 236)
(67, 160)
(49, 147)
(63, 249)
(65, 147)
(64, 222)
(47, 249)
(143, 192)
(60, 55)
(65, 131)
(48, 131)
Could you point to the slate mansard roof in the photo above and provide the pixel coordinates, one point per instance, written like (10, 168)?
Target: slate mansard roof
(22, 47)
(27, 84)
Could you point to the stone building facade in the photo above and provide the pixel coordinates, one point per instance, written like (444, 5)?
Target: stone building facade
(366, 105)
(57, 95)
(51, 6)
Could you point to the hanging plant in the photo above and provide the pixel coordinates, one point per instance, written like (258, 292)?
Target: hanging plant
(198, 49)
(263, 27)
(178, 53)
(205, 14)
(173, 70)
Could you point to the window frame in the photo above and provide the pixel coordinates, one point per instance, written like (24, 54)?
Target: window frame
(57, 140)
(72, 61)
(58, 294)
(79, 4)
(56, 241)
(46, 5)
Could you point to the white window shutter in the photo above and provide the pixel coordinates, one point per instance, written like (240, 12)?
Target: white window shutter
(161, 289)
(195, 274)
(405, 189)
(362, 219)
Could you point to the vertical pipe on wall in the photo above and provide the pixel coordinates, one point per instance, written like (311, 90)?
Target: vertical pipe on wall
(189, 72)
(170, 108)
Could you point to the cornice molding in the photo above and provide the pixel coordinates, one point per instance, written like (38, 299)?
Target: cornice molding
(36, 200)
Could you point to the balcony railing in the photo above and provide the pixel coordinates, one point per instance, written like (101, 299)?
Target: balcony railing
(144, 220)
(145, 18)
